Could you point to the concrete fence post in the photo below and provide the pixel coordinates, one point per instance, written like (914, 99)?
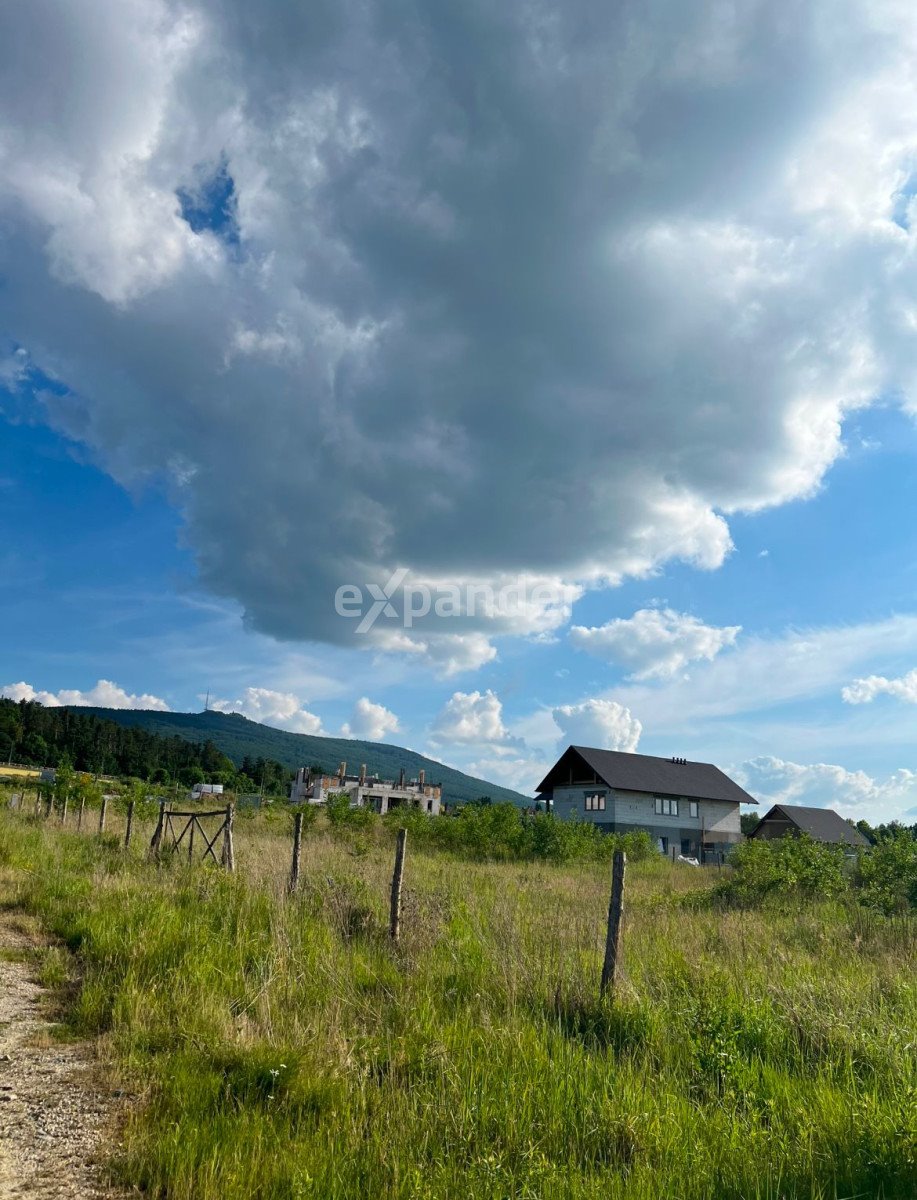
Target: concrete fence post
(130, 824)
(615, 912)
(102, 812)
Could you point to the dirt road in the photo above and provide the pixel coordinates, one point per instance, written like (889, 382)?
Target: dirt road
(54, 1113)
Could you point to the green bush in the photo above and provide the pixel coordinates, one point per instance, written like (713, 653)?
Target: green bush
(505, 833)
(343, 816)
(886, 875)
(781, 867)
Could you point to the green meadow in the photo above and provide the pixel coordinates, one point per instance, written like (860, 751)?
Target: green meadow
(283, 1047)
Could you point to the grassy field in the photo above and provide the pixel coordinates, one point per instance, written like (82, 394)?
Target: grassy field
(283, 1048)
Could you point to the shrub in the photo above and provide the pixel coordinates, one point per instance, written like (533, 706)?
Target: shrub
(886, 875)
(506, 833)
(343, 816)
(781, 867)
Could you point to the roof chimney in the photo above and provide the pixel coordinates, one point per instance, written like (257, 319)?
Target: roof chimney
(342, 771)
(421, 777)
(362, 774)
(401, 779)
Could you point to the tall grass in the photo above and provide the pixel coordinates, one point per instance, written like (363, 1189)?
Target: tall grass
(283, 1048)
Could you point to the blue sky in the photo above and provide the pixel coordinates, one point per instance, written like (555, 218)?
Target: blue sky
(627, 318)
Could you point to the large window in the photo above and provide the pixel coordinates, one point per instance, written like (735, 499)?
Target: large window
(595, 802)
(693, 807)
(666, 806)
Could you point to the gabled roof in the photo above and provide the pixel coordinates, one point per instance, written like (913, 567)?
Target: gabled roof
(645, 773)
(821, 824)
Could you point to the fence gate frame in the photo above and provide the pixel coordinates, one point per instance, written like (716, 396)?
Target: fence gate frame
(166, 837)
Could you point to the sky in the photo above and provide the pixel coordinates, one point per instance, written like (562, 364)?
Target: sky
(478, 381)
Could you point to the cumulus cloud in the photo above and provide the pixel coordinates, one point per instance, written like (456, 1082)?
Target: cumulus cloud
(444, 653)
(474, 718)
(519, 772)
(559, 306)
(654, 643)
(284, 710)
(371, 721)
(105, 694)
(864, 691)
(813, 662)
(824, 785)
(603, 723)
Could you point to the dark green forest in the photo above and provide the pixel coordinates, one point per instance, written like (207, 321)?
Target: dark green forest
(33, 735)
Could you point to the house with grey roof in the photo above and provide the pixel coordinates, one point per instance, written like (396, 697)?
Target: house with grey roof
(821, 824)
(688, 808)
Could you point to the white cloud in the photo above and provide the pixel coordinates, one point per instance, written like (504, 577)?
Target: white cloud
(283, 710)
(445, 654)
(105, 694)
(650, 340)
(603, 723)
(654, 643)
(370, 721)
(471, 718)
(824, 785)
(864, 691)
(519, 772)
(812, 663)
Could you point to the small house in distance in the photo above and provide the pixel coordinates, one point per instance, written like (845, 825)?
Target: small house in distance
(687, 807)
(381, 795)
(821, 824)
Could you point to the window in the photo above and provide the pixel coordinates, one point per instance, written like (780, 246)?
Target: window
(595, 802)
(666, 807)
(694, 808)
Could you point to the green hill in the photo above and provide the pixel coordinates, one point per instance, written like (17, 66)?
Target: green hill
(237, 737)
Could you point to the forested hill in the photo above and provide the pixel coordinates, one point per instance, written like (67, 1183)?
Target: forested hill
(240, 739)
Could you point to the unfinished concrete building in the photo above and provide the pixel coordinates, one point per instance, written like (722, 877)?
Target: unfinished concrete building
(381, 795)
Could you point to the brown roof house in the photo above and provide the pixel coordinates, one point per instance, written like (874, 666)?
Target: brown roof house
(821, 824)
(686, 807)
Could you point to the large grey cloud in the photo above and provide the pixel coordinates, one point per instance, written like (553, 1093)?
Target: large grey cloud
(525, 287)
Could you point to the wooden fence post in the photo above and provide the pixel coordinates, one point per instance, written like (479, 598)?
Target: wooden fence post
(191, 842)
(79, 815)
(615, 911)
(130, 824)
(397, 876)
(297, 854)
(63, 810)
(102, 815)
(37, 801)
(156, 839)
(229, 857)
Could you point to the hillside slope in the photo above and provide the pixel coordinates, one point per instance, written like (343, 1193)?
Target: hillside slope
(237, 737)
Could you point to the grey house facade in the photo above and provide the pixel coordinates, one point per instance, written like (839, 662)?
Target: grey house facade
(688, 808)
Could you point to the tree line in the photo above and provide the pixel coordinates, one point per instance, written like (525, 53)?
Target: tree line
(33, 735)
